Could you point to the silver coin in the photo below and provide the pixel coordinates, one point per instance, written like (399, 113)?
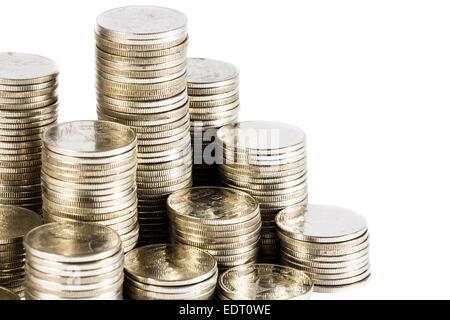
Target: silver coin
(169, 265)
(320, 223)
(22, 68)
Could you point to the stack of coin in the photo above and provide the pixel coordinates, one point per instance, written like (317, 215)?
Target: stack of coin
(330, 244)
(6, 294)
(141, 82)
(28, 105)
(267, 160)
(213, 88)
(169, 272)
(69, 260)
(89, 175)
(264, 282)
(15, 223)
(223, 221)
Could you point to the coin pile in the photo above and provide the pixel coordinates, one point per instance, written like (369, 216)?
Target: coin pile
(213, 88)
(88, 174)
(28, 105)
(6, 294)
(73, 260)
(264, 282)
(267, 160)
(169, 272)
(225, 222)
(15, 223)
(331, 244)
(141, 82)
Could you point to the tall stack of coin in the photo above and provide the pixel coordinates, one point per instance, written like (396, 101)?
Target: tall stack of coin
(331, 244)
(6, 294)
(213, 88)
(28, 105)
(141, 82)
(89, 174)
(71, 260)
(15, 223)
(264, 282)
(169, 272)
(268, 160)
(223, 221)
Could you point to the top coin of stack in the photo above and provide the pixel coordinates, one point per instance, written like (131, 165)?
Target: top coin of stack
(6, 294)
(15, 223)
(213, 88)
(88, 174)
(67, 261)
(28, 105)
(170, 272)
(331, 244)
(267, 160)
(223, 221)
(264, 282)
(141, 82)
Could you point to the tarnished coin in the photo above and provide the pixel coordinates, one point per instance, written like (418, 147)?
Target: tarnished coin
(16, 222)
(265, 282)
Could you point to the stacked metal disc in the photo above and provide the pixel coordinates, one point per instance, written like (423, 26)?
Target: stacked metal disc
(6, 294)
(15, 222)
(264, 282)
(213, 88)
(267, 160)
(88, 174)
(68, 261)
(169, 272)
(331, 244)
(141, 82)
(223, 221)
(28, 105)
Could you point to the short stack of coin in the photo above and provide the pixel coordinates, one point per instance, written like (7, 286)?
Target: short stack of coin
(223, 221)
(68, 261)
(169, 272)
(267, 160)
(88, 174)
(141, 82)
(15, 223)
(6, 294)
(331, 244)
(28, 105)
(264, 282)
(213, 88)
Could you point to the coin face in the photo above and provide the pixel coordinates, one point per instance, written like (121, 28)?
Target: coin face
(15, 222)
(321, 223)
(204, 71)
(89, 138)
(142, 20)
(264, 282)
(212, 203)
(72, 242)
(261, 136)
(6, 294)
(15, 66)
(169, 265)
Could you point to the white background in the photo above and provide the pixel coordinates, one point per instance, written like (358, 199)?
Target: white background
(367, 80)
